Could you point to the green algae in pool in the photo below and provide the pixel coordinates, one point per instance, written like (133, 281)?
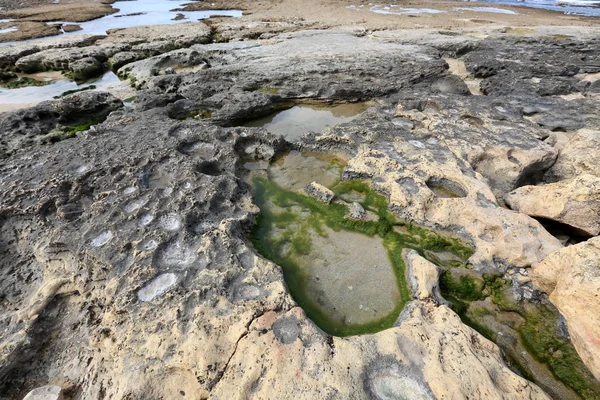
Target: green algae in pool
(534, 341)
(347, 275)
(303, 118)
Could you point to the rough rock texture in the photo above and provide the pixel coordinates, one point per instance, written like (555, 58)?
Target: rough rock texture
(126, 270)
(578, 156)
(410, 164)
(71, 12)
(319, 192)
(413, 359)
(575, 202)
(23, 128)
(571, 277)
(138, 42)
(422, 276)
(9, 54)
(45, 393)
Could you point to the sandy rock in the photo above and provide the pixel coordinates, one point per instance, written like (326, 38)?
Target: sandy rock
(45, 393)
(27, 30)
(578, 156)
(427, 184)
(58, 59)
(422, 276)
(319, 192)
(571, 277)
(575, 202)
(122, 58)
(418, 354)
(177, 35)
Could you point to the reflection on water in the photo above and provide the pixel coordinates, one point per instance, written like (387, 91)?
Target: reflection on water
(12, 99)
(139, 13)
(298, 120)
(147, 12)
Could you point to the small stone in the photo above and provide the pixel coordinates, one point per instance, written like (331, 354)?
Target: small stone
(49, 392)
(356, 212)
(319, 192)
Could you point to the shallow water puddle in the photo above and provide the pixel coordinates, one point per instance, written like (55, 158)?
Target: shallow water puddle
(11, 99)
(300, 119)
(147, 12)
(140, 13)
(7, 30)
(348, 275)
(486, 9)
(396, 10)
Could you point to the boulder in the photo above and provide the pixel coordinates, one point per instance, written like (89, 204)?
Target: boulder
(575, 202)
(578, 156)
(422, 276)
(571, 276)
(86, 68)
(319, 192)
(49, 392)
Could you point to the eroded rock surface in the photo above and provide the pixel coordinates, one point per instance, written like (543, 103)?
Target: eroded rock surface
(575, 202)
(571, 277)
(127, 272)
(50, 121)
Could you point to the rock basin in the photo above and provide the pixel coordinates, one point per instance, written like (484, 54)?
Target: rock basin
(347, 274)
(303, 118)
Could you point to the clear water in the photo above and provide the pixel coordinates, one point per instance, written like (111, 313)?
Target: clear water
(30, 95)
(486, 9)
(394, 9)
(298, 120)
(576, 7)
(155, 12)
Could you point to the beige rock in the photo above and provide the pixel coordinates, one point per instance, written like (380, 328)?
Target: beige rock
(493, 231)
(575, 202)
(45, 393)
(578, 156)
(422, 276)
(429, 355)
(571, 276)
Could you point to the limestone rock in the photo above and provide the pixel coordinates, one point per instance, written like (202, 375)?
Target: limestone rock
(86, 68)
(571, 276)
(420, 353)
(575, 202)
(45, 393)
(123, 58)
(428, 184)
(319, 192)
(578, 156)
(9, 54)
(357, 212)
(422, 276)
(22, 128)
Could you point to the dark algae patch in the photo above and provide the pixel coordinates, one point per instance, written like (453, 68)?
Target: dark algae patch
(348, 275)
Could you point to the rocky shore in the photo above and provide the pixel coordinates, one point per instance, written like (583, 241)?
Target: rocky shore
(130, 266)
